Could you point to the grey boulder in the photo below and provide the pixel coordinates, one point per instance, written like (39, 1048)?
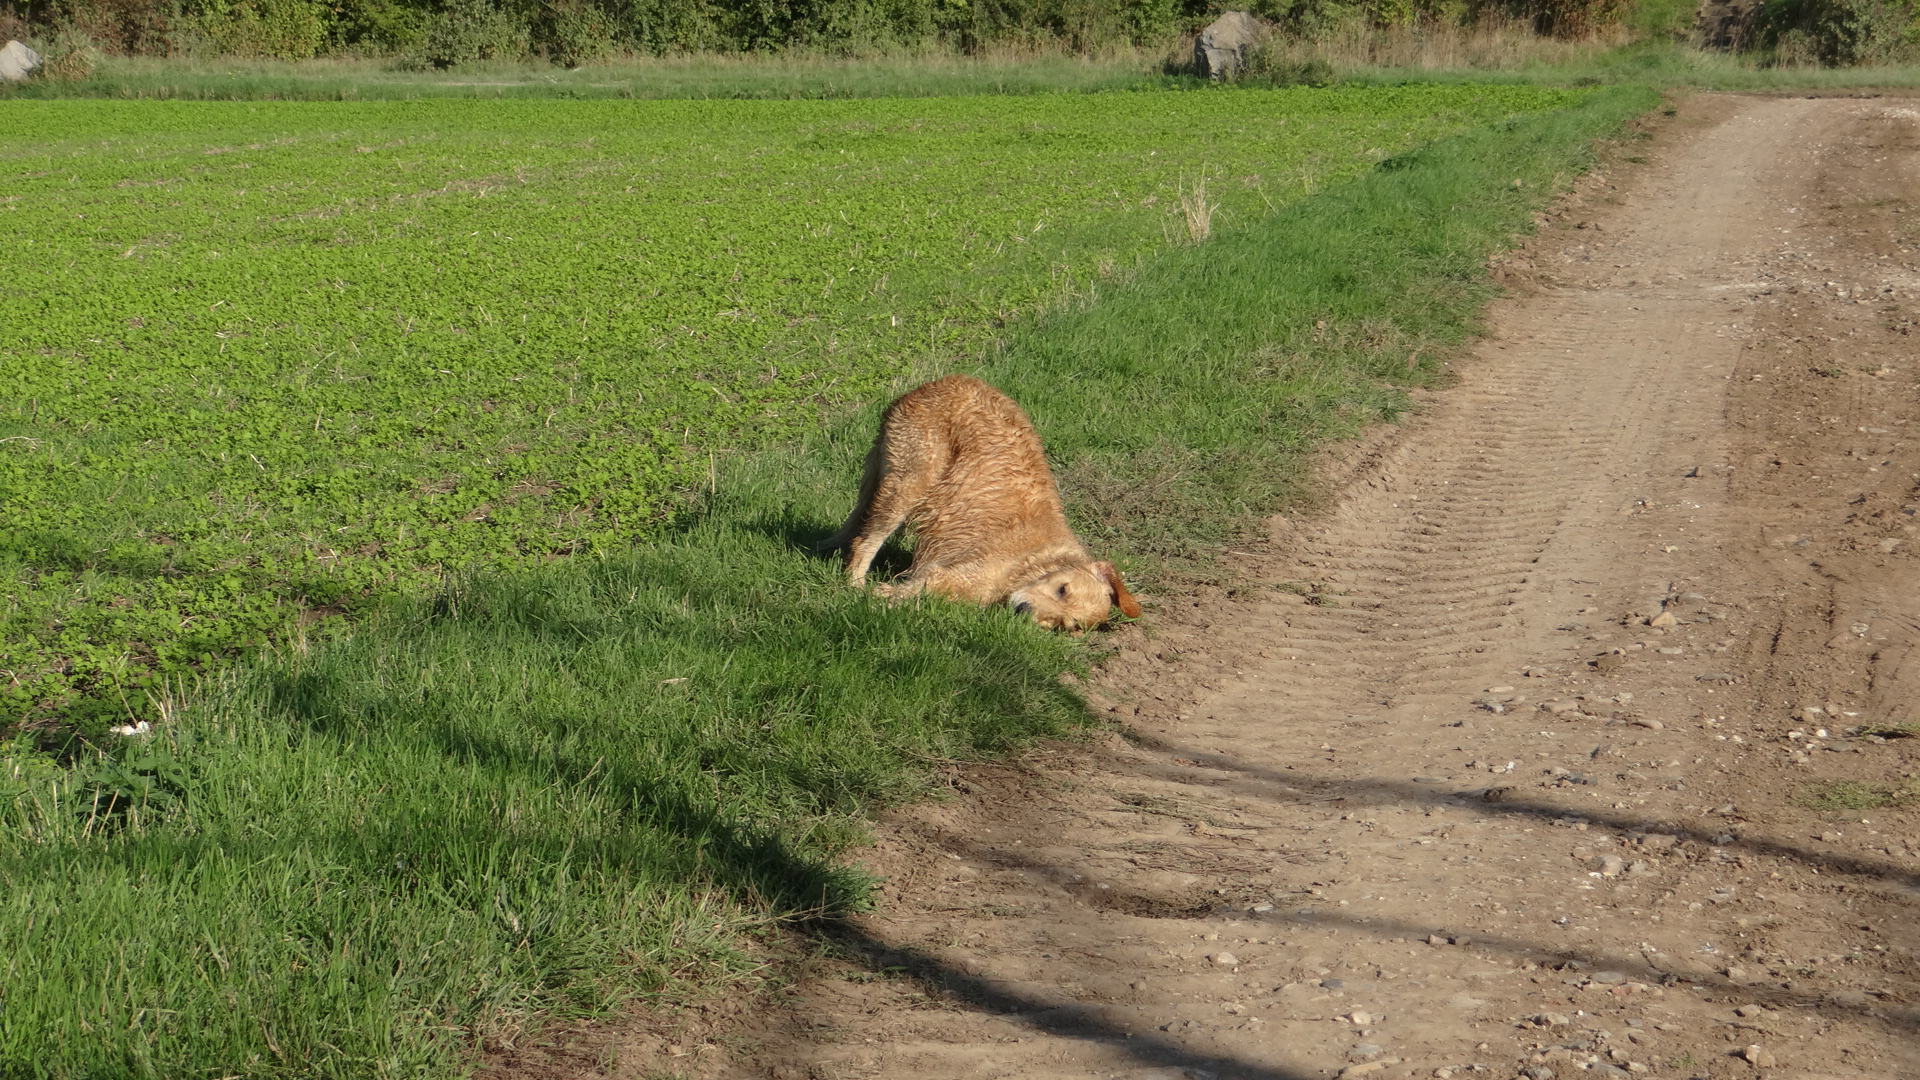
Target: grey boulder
(17, 61)
(1221, 49)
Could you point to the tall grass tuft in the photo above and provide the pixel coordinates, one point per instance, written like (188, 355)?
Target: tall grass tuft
(1196, 210)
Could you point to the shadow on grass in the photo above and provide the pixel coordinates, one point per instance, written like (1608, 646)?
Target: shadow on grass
(728, 703)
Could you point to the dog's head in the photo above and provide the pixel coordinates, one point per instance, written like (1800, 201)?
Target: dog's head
(1074, 597)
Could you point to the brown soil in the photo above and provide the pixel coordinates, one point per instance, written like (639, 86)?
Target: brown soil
(1514, 764)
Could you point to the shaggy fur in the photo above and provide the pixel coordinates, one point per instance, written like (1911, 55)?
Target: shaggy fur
(958, 461)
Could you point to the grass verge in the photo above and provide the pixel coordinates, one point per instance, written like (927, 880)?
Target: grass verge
(1492, 53)
(542, 794)
(781, 76)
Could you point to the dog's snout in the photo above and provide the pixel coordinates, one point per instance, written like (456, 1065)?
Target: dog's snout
(1022, 608)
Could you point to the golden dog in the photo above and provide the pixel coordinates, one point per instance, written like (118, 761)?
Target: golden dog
(958, 461)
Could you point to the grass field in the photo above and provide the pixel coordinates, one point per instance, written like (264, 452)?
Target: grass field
(263, 362)
(539, 786)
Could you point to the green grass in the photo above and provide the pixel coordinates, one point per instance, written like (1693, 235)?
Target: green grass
(1655, 63)
(1857, 795)
(499, 803)
(265, 362)
(525, 798)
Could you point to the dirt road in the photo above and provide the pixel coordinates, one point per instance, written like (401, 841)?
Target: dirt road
(1509, 769)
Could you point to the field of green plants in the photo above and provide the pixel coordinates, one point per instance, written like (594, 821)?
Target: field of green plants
(429, 475)
(264, 361)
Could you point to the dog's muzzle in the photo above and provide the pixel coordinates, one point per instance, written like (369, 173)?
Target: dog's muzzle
(1022, 608)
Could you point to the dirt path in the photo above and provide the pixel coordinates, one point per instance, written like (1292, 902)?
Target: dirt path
(1441, 802)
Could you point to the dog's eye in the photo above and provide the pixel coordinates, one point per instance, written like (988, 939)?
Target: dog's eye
(1063, 591)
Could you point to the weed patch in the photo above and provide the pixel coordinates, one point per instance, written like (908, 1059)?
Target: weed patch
(1857, 795)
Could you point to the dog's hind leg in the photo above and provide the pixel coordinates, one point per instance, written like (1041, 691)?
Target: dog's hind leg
(898, 491)
(869, 483)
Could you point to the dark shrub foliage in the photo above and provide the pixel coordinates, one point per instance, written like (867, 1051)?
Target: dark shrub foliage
(441, 33)
(1836, 33)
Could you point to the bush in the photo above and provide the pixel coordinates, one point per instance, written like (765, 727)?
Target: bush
(379, 27)
(281, 29)
(1836, 33)
(469, 30)
(581, 34)
(1269, 66)
(70, 55)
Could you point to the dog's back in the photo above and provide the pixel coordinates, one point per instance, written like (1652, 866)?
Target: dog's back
(991, 489)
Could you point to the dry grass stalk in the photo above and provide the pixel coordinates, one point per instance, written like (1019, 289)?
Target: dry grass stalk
(1487, 45)
(1197, 210)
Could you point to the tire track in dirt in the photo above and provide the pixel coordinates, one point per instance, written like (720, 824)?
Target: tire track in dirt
(1491, 778)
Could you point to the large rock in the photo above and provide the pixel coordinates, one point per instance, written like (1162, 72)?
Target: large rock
(17, 61)
(1221, 49)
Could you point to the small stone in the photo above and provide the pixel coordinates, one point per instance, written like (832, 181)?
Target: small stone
(1361, 1070)
(1750, 1011)
(1331, 984)
(1758, 1056)
(1560, 708)
(1225, 959)
(1653, 725)
(1360, 1019)
(1537, 1072)
(1639, 1068)
(1658, 841)
(1607, 865)
(1548, 1019)
(1137, 984)
(1363, 1051)
(1443, 1074)
(1609, 978)
(1665, 618)
(1830, 837)
(1462, 940)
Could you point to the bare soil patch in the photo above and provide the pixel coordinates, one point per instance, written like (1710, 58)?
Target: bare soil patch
(1567, 742)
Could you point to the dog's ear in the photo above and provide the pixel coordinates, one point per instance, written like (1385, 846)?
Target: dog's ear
(1121, 597)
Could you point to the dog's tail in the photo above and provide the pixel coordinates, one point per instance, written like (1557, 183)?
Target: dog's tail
(869, 484)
